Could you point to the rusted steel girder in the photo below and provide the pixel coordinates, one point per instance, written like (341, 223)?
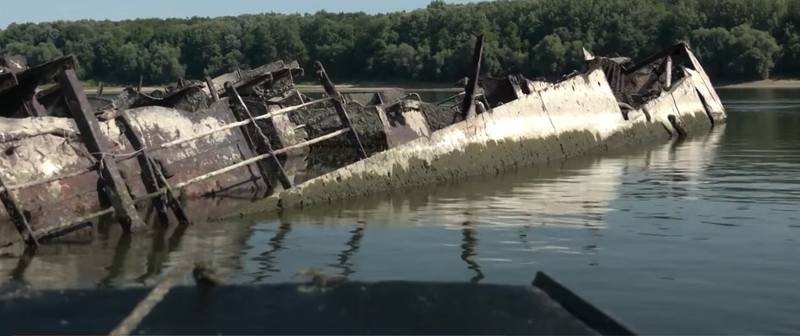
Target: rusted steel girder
(152, 176)
(17, 214)
(670, 51)
(244, 114)
(336, 100)
(89, 128)
(214, 94)
(468, 105)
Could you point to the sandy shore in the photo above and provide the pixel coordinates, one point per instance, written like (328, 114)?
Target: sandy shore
(764, 84)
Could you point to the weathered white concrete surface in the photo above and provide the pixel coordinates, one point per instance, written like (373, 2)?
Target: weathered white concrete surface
(706, 91)
(562, 120)
(576, 193)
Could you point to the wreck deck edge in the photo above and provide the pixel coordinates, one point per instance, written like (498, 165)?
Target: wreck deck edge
(571, 118)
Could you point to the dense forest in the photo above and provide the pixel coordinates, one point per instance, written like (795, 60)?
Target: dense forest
(736, 40)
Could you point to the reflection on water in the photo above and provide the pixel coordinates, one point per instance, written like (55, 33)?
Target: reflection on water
(696, 236)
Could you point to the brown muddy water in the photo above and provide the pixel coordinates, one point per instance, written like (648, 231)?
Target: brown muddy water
(700, 236)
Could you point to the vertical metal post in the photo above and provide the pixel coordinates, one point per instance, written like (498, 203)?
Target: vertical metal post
(151, 177)
(336, 100)
(668, 70)
(34, 108)
(278, 168)
(89, 128)
(211, 89)
(17, 215)
(139, 87)
(468, 105)
(100, 90)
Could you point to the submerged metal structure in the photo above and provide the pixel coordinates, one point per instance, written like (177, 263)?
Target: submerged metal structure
(513, 121)
(69, 159)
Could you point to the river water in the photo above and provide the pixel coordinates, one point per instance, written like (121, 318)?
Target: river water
(700, 236)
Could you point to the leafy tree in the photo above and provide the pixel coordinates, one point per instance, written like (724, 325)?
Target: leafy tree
(736, 39)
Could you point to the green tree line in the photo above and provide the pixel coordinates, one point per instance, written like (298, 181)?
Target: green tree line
(735, 39)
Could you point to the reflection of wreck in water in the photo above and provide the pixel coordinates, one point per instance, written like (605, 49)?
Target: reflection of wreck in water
(70, 159)
(121, 260)
(574, 193)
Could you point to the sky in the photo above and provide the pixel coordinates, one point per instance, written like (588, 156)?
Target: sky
(52, 10)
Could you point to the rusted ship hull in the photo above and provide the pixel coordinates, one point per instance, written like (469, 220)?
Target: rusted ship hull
(233, 134)
(71, 160)
(533, 123)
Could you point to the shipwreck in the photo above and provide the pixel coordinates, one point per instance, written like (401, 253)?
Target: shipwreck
(70, 160)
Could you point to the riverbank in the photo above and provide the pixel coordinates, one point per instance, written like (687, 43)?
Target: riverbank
(438, 87)
(787, 83)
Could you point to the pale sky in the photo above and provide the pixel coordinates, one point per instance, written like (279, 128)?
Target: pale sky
(51, 10)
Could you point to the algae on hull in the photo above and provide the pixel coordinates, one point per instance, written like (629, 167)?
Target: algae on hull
(235, 136)
(578, 115)
(53, 176)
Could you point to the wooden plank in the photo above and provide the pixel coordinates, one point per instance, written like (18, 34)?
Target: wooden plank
(89, 128)
(336, 100)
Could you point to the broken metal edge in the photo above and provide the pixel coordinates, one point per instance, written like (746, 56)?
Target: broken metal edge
(585, 311)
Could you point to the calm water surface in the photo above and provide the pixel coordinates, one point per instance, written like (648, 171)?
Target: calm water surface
(700, 236)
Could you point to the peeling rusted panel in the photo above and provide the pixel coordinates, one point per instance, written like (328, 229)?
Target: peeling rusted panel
(403, 123)
(201, 156)
(18, 87)
(56, 202)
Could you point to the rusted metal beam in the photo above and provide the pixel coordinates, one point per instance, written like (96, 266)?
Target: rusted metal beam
(212, 90)
(670, 51)
(34, 108)
(260, 157)
(89, 128)
(240, 123)
(8, 80)
(243, 163)
(468, 104)
(172, 200)
(17, 215)
(336, 100)
(150, 175)
(244, 114)
(668, 70)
